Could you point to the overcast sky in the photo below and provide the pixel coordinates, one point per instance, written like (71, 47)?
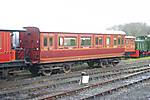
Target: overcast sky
(72, 15)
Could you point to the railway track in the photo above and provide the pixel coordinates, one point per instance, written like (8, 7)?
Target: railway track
(33, 80)
(23, 74)
(44, 79)
(102, 88)
(41, 88)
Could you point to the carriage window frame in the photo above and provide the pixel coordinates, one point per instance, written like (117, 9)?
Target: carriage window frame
(127, 41)
(96, 41)
(51, 41)
(0, 41)
(45, 41)
(119, 41)
(100, 40)
(108, 40)
(69, 42)
(60, 41)
(115, 41)
(122, 41)
(85, 43)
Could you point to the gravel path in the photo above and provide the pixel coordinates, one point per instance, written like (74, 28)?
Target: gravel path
(138, 92)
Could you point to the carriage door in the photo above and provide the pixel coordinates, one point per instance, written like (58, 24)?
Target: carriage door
(31, 40)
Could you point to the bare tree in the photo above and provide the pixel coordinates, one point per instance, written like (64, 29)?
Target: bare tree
(135, 29)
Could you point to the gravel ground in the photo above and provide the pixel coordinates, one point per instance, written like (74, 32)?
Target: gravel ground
(141, 92)
(106, 87)
(138, 92)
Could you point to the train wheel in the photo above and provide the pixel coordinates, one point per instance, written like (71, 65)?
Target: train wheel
(90, 63)
(66, 68)
(115, 62)
(47, 72)
(103, 65)
(34, 70)
(5, 72)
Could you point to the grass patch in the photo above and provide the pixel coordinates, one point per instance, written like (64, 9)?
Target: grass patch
(136, 59)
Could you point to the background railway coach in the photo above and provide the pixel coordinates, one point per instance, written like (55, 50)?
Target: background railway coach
(9, 42)
(142, 46)
(49, 51)
(6, 53)
(137, 47)
(129, 46)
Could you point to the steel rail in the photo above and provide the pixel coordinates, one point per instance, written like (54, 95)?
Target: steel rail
(75, 91)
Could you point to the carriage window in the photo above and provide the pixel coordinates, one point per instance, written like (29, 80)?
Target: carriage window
(126, 41)
(115, 41)
(45, 41)
(100, 41)
(96, 41)
(122, 41)
(119, 41)
(51, 41)
(70, 41)
(85, 41)
(0, 42)
(60, 41)
(108, 40)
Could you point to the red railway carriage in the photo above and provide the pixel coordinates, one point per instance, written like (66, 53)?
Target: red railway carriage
(129, 46)
(60, 47)
(44, 52)
(63, 49)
